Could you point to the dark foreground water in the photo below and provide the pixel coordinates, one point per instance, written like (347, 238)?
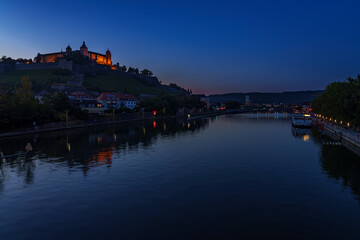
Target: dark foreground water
(229, 177)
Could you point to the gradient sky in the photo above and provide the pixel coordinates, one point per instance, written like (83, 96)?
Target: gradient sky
(208, 46)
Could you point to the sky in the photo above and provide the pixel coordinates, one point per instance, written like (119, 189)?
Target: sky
(207, 46)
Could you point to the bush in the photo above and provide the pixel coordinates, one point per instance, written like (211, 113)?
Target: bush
(62, 72)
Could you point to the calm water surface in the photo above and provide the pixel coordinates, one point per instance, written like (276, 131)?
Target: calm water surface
(229, 177)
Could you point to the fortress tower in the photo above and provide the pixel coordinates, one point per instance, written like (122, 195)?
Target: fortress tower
(68, 49)
(84, 49)
(108, 57)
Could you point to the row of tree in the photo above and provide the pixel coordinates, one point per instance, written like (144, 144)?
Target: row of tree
(168, 104)
(19, 107)
(9, 60)
(145, 72)
(340, 101)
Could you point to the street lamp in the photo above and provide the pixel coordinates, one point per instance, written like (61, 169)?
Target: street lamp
(67, 117)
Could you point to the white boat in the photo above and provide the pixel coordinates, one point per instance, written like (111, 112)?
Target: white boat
(301, 120)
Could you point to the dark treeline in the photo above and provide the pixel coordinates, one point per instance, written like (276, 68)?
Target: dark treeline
(19, 107)
(168, 104)
(9, 60)
(340, 101)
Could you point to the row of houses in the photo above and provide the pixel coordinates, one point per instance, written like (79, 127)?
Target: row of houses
(105, 101)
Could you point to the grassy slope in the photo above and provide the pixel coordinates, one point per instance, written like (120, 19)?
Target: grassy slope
(42, 79)
(109, 83)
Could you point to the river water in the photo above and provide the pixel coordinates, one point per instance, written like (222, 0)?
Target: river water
(226, 177)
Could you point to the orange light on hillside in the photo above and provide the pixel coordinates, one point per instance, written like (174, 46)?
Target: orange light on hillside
(154, 124)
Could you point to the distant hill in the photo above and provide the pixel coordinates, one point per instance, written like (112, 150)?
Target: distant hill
(297, 97)
(43, 78)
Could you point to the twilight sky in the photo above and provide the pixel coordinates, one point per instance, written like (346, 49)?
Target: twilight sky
(208, 46)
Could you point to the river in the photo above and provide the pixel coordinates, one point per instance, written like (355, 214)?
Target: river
(240, 176)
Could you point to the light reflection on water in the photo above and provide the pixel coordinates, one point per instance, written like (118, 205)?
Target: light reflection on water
(232, 176)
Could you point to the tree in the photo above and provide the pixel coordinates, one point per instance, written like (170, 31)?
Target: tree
(61, 102)
(232, 105)
(146, 72)
(172, 102)
(340, 101)
(131, 70)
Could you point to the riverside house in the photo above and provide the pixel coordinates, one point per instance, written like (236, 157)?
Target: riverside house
(116, 100)
(87, 102)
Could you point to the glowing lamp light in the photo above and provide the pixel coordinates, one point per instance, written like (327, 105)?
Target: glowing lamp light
(154, 124)
(348, 124)
(306, 138)
(154, 112)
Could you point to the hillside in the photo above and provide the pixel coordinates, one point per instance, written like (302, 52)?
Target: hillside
(109, 83)
(268, 98)
(40, 78)
(43, 78)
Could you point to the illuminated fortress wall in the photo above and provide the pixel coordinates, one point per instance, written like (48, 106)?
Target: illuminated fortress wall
(103, 59)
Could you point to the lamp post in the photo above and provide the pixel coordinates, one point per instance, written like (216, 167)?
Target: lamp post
(113, 114)
(67, 117)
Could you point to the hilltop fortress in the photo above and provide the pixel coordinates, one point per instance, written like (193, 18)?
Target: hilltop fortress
(103, 59)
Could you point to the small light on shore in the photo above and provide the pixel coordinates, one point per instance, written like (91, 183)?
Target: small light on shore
(348, 124)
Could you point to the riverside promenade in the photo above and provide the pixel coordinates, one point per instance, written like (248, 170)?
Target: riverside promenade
(343, 134)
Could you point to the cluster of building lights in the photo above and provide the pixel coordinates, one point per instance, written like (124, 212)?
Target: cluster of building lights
(330, 119)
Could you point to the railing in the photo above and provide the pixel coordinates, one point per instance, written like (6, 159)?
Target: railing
(344, 134)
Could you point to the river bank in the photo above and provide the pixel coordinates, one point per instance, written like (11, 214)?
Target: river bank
(348, 137)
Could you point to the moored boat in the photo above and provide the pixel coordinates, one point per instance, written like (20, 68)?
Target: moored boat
(301, 120)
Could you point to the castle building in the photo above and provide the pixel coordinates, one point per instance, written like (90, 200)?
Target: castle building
(103, 59)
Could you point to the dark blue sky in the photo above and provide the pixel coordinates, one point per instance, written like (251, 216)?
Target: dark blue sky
(208, 46)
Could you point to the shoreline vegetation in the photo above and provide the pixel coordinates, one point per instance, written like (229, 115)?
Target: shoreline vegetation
(22, 113)
(340, 103)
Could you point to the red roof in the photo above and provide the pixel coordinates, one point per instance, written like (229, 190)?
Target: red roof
(116, 96)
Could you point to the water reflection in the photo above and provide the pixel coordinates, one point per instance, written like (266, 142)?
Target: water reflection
(83, 149)
(147, 180)
(302, 133)
(339, 163)
(336, 161)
